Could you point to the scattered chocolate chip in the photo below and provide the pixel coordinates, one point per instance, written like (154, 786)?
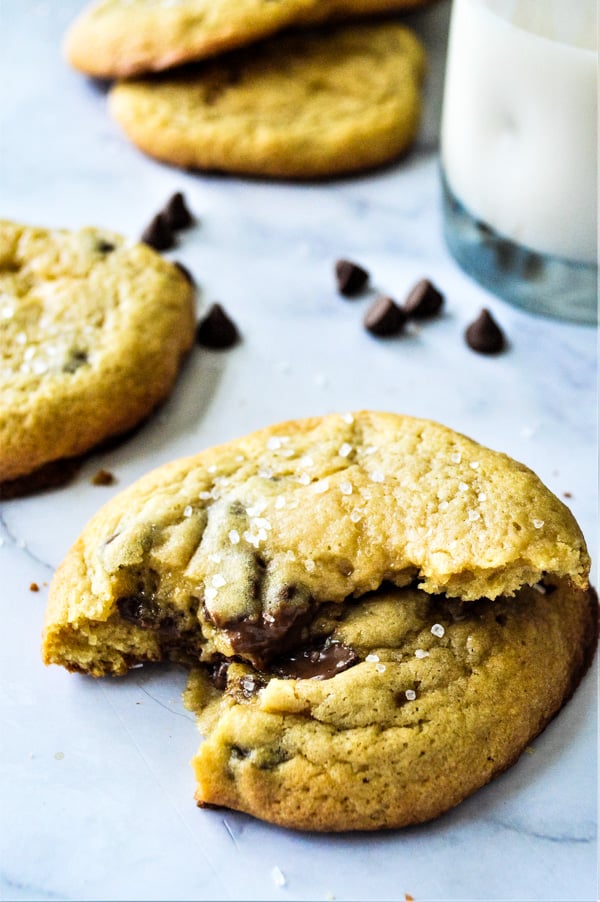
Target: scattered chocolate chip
(158, 234)
(351, 278)
(103, 477)
(105, 247)
(184, 272)
(423, 301)
(217, 330)
(384, 317)
(484, 335)
(177, 213)
(33, 587)
(567, 495)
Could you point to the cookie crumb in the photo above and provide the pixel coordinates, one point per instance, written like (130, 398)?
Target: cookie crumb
(408, 897)
(567, 495)
(103, 477)
(33, 587)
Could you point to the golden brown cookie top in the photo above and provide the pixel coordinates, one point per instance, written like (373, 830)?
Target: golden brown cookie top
(304, 105)
(255, 532)
(92, 329)
(119, 38)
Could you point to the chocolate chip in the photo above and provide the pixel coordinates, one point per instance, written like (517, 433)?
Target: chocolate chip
(184, 272)
(76, 359)
(158, 234)
(317, 663)
(105, 247)
(423, 301)
(138, 610)
(177, 213)
(217, 330)
(484, 335)
(384, 317)
(103, 477)
(351, 278)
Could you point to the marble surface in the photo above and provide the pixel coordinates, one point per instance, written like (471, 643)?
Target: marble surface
(95, 787)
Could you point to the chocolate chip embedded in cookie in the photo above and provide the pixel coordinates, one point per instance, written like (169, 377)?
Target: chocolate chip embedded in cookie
(93, 330)
(306, 105)
(119, 38)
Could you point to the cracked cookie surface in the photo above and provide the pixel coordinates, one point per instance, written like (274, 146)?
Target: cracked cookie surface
(432, 699)
(120, 38)
(234, 549)
(93, 330)
(305, 105)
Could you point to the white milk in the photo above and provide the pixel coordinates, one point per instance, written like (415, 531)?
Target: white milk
(519, 143)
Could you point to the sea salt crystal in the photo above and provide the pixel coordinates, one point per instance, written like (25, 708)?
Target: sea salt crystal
(274, 443)
(280, 502)
(421, 653)
(410, 695)
(372, 659)
(188, 510)
(210, 594)
(380, 668)
(216, 558)
(345, 450)
(348, 418)
(218, 581)
(473, 516)
(355, 515)
(482, 496)
(474, 464)
(346, 488)
(538, 523)
(438, 630)
(463, 486)
(310, 565)
(321, 486)
(456, 457)
(234, 536)
(278, 876)
(377, 476)
(304, 479)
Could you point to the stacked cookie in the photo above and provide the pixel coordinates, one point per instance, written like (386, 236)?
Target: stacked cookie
(378, 613)
(247, 99)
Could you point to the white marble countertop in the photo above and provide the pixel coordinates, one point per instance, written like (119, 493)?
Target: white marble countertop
(96, 790)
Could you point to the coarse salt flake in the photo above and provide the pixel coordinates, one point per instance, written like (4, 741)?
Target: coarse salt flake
(310, 565)
(348, 418)
(306, 461)
(321, 486)
(473, 516)
(372, 659)
(463, 487)
(212, 468)
(346, 488)
(218, 581)
(261, 523)
(377, 476)
(380, 668)
(482, 496)
(216, 558)
(540, 588)
(410, 695)
(456, 457)
(438, 630)
(278, 876)
(188, 510)
(304, 479)
(421, 653)
(210, 594)
(474, 464)
(234, 536)
(280, 502)
(538, 523)
(355, 515)
(345, 450)
(205, 496)
(444, 505)
(274, 443)
(371, 449)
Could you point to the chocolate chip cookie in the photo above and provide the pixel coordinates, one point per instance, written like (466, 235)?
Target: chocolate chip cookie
(93, 330)
(350, 587)
(306, 105)
(120, 38)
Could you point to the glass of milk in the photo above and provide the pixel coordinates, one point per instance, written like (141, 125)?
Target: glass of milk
(519, 151)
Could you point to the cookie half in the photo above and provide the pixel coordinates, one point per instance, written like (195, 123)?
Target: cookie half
(395, 708)
(93, 330)
(120, 38)
(229, 553)
(307, 105)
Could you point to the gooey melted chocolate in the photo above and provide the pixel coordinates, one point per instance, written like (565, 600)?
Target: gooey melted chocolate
(316, 663)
